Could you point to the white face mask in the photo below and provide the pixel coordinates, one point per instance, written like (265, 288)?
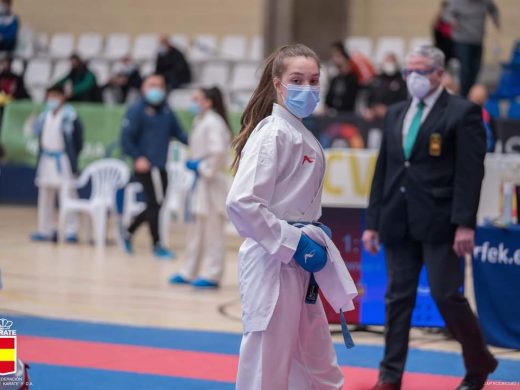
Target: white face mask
(419, 86)
(389, 68)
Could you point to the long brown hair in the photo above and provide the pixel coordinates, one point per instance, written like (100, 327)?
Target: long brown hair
(214, 95)
(261, 103)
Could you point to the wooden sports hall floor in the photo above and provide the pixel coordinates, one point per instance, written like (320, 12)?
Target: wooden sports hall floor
(81, 282)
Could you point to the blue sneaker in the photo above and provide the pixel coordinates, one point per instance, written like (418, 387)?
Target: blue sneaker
(126, 239)
(204, 283)
(40, 237)
(179, 279)
(162, 253)
(71, 238)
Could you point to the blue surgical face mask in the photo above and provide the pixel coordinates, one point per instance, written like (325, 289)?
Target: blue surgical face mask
(301, 100)
(195, 108)
(155, 96)
(52, 104)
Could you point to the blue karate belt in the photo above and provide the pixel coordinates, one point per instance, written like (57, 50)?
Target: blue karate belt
(313, 289)
(56, 156)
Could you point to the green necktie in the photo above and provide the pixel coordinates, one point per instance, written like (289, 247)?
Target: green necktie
(411, 136)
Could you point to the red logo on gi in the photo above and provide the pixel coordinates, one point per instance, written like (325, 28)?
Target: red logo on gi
(7, 347)
(308, 159)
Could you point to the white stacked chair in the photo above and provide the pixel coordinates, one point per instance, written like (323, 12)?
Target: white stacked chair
(37, 77)
(131, 206)
(214, 73)
(180, 99)
(363, 45)
(61, 45)
(233, 48)
(18, 66)
(145, 47)
(101, 69)
(106, 177)
(117, 46)
(25, 43)
(90, 45)
(387, 45)
(60, 69)
(244, 77)
(181, 42)
(256, 48)
(203, 48)
(147, 68)
(180, 180)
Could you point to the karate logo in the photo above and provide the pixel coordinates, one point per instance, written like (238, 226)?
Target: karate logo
(308, 256)
(307, 159)
(7, 347)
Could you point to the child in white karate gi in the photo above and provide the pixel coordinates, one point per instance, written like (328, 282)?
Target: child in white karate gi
(60, 139)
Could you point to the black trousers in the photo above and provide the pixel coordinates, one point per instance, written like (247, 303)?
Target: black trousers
(153, 202)
(470, 57)
(446, 277)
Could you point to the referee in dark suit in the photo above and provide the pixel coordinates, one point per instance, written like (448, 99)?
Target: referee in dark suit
(423, 206)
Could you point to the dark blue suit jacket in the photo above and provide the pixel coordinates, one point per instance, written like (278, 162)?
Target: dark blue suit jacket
(438, 189)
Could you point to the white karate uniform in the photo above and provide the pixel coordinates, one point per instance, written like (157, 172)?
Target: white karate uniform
(52, 172)
(286, 342)
(210, 142)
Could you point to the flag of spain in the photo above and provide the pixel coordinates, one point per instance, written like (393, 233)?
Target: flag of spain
(7, 355)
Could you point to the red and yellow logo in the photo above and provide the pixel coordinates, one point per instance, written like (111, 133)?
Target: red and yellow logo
(7, 348)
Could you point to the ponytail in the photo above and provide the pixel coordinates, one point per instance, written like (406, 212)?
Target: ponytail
(261, 103)
(217, 102)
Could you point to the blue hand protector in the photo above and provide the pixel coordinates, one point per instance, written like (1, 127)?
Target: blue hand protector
(326, 229)
(310, 255)
(193, 165)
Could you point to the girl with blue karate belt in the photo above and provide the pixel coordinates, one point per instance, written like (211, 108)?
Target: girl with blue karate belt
(60, 141)
(279, 178)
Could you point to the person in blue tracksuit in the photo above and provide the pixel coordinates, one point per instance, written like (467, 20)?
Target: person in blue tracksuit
(148, 127)
(8, 27)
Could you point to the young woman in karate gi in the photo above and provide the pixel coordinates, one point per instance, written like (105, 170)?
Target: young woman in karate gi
(280, 167)
(210, 143)
(60, 140)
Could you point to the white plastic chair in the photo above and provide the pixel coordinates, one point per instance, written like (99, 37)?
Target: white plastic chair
(147, 68)
(180, 99)
(203, 48)
(386, 45)
(256, 49)
(180, 181)
(363, 45)
(101, 69)
(214, 73)
(244, 77)
(106, 177)
(61, 45)
(18, 66)
(61, 68)
(181, 42)
(117, 46)
(239, 99)
(25, 43)
(38, 72)
(131, 206)
(90, 45)
(233, 47)
(145, 47)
